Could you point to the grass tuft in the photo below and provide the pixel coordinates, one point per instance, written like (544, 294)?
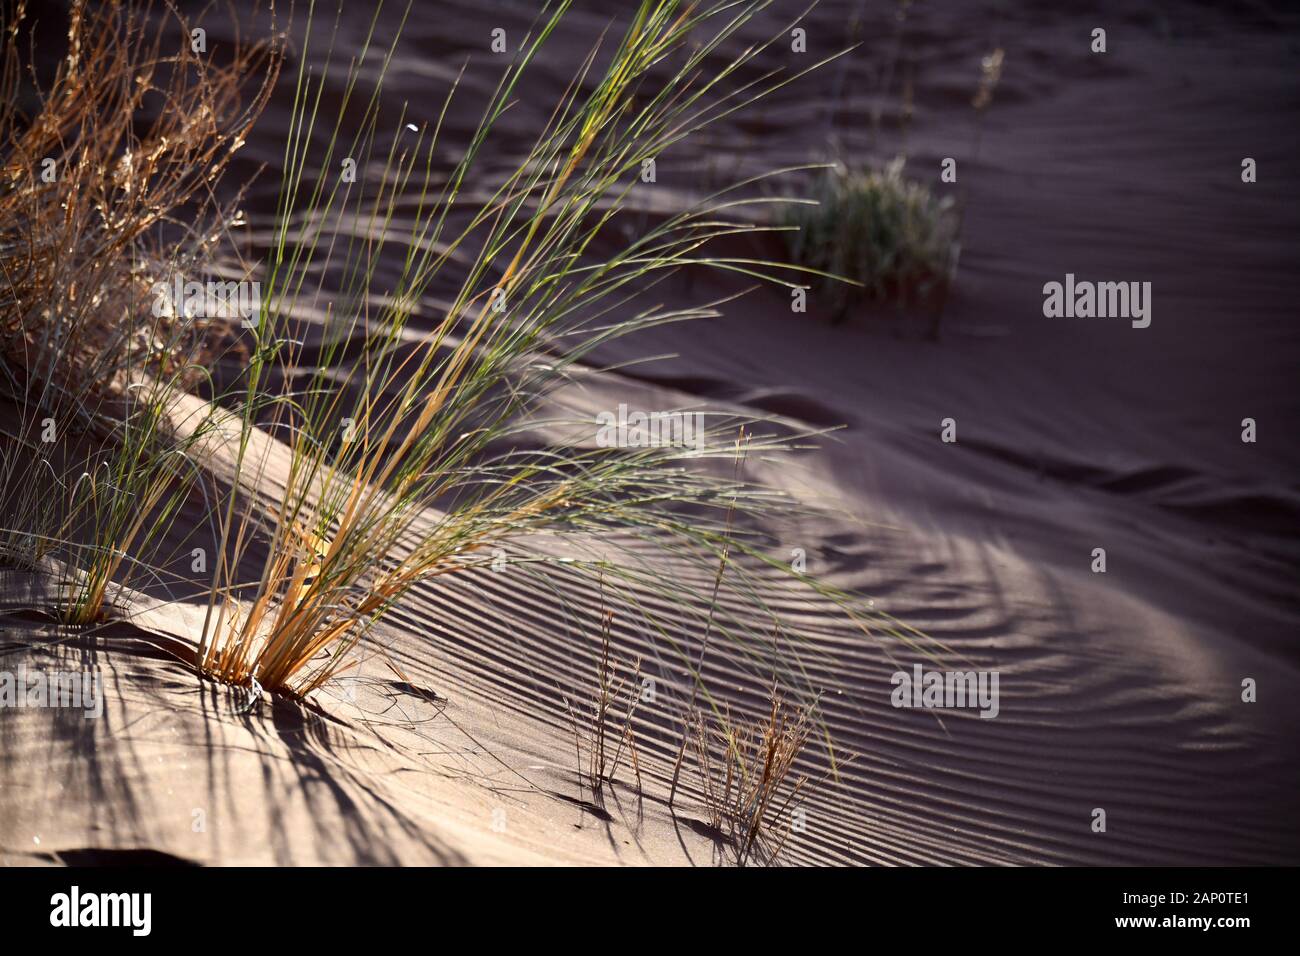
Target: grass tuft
(888, 236)
(745, 776)
(607, 736)
(106, 193)
(408, 461)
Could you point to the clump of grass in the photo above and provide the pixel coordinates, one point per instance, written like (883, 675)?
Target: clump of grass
(105, 194)
(602, 725)
(887, 235)
(404, 461)
(745, 775)
(404, 455)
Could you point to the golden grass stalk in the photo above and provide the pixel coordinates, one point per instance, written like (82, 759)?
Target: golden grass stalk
(744, 772)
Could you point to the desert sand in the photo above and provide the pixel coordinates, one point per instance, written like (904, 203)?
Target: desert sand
(1119, 690)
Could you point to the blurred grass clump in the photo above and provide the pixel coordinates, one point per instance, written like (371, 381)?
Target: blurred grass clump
(888, 236)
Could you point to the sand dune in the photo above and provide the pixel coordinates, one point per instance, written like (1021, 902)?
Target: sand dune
(1118, 690)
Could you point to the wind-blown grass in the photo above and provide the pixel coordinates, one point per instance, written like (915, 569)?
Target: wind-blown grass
(408, 469)
(412, 449)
